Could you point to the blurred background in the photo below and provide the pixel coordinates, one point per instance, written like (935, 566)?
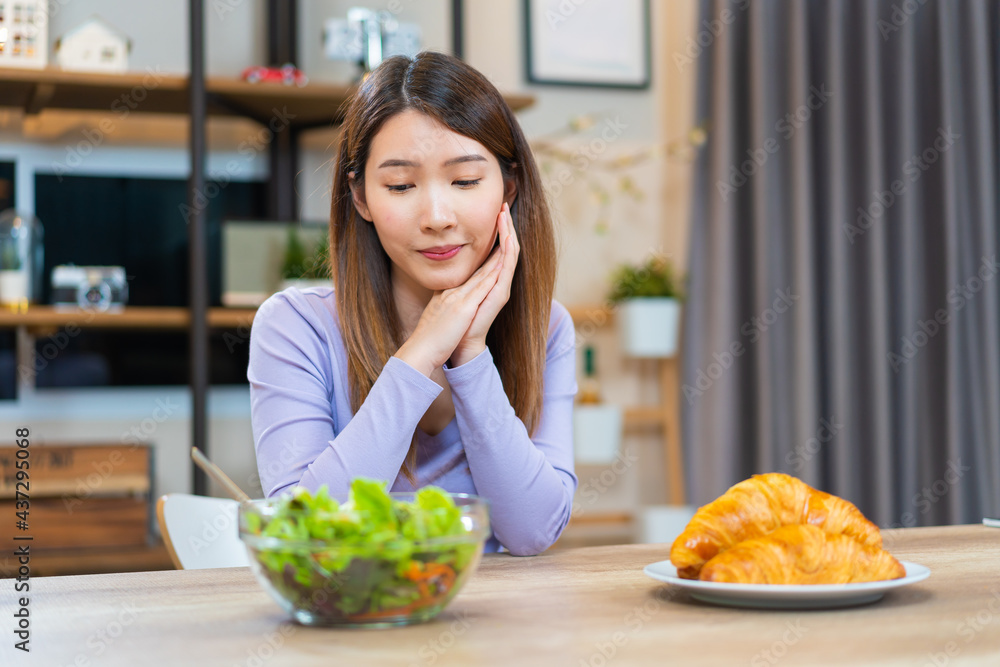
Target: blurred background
(777, 226)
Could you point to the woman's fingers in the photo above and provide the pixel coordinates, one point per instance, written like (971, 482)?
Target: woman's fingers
(503, 227)
(512, 234)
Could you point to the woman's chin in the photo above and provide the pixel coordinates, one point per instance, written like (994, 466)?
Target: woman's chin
(439, 284)
(445, 280)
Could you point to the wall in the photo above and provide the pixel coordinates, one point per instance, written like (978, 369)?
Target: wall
(494, 44)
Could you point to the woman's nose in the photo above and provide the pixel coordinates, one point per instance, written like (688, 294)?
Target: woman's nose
(438, 214)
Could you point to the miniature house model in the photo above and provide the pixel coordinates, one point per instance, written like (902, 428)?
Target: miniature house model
(93, 46)
(24, 33)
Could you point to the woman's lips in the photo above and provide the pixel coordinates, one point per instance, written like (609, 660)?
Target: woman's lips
(442, 252)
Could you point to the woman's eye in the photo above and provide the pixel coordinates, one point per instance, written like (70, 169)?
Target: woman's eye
(398, 188)
(468, 184)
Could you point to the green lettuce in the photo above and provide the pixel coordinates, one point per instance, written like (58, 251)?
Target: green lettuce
(377, 562)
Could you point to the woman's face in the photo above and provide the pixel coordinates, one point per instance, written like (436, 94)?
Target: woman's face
(433, 196)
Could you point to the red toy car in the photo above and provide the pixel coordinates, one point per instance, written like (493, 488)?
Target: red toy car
(286, 74)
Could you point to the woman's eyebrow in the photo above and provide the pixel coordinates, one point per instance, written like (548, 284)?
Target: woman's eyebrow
(470, 157)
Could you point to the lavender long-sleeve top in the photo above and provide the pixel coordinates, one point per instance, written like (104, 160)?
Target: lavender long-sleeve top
(305, 432)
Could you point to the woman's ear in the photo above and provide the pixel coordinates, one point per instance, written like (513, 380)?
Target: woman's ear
(358, 196)
(509, 190)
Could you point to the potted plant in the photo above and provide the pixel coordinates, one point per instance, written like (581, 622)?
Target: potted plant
(13, 277)
(648, 297)
(304, 269)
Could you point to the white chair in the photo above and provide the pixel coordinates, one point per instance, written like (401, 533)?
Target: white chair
(201, 532)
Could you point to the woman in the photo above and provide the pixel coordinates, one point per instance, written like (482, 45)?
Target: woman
(440, 358)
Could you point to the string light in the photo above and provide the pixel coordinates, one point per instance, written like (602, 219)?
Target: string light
(549, 152)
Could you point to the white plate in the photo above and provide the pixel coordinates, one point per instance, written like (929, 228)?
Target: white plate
(773, 596)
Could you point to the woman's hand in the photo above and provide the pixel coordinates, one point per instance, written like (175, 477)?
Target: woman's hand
(474, 340)
(455, 321)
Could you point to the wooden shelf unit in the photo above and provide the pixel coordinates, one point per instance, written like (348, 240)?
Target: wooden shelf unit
(45, 318)
(665, 416)
(313, 105)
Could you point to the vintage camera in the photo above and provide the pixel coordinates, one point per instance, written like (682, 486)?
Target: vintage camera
(89, 287)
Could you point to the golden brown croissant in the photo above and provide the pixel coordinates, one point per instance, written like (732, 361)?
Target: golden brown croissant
(757, 506)
(802, 554)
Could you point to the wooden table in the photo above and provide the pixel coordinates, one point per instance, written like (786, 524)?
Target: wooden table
(580, 607)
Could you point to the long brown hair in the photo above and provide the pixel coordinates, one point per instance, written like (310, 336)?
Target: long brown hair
(462, 99)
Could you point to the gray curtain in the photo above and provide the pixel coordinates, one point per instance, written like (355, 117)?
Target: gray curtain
(843, 313)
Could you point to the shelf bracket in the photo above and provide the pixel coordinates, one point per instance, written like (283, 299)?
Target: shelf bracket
(235, 108)
(41, 94)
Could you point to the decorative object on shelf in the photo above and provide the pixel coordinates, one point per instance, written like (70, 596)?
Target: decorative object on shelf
(597, 427)
(100, 288)
(21, 255)
(594, 43)
(661, 524)
(597, 433)
(562, 165)
(649, 312)
(302, 268)
(24, 33)
(590, 386)
(367, 37)
(288, 74)
(93, 46)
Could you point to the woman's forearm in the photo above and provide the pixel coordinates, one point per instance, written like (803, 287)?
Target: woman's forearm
(529, 482)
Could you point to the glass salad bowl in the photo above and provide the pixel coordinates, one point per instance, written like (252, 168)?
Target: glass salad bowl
(373, 559)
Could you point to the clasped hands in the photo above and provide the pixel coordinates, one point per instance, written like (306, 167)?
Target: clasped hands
(454, 324)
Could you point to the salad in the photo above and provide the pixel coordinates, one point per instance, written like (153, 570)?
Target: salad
(374, 557)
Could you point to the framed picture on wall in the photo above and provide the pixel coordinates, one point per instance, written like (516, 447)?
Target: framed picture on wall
(592, 43)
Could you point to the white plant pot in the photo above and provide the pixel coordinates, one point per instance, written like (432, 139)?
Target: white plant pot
(597, 433)
(13, 286)
(650, 326)
(661, 524)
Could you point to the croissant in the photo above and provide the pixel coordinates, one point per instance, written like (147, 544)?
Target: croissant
(802, 554)
(757, 506)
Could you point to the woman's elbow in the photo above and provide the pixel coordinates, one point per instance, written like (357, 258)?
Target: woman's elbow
(534, 542)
